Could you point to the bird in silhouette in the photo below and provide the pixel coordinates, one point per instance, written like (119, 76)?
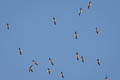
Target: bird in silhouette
(34, 62)
(76, 35)
(106, 78)
(8, 26)
(89, 4)
(77, 56)
(20, 51)
(54, 20)
(62, 75)
(49, 71)
(51, 62)
(82, 59)
(98, 62)
(80, 11)
(30, 69)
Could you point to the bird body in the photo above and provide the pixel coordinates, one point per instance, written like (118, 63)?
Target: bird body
(89, 4)
(51, 62)
(34, 62)
(30, 69)
(80, 11)
(82, 59)
(54, 20)
(98, 62)
(49, 71)
(20, 51)
(76, 35)
(77, 56)
(97, 31)
(8, 26)
(62, 75)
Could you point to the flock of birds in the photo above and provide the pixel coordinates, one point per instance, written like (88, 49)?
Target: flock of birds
(50, 59)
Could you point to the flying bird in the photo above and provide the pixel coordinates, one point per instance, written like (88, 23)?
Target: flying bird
(20, 51)
(30, 69)
(98, 62)
(82, 59)
(106, 78)
(8, 26)
(80, 11)
(54, 20)
(77, 56)
(97, 31)
(76, 35)
(89, 4)
(34, 62)
(62, 75)
(49, 71)
(51, 62)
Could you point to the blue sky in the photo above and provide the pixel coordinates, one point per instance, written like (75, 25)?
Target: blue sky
(32, 29)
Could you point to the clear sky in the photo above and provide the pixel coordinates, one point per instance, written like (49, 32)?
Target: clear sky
(32, 29)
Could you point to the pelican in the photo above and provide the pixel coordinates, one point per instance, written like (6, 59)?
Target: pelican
(97, 31)
(49, 71)
(89, 4)
(62, 75)
(76, 35)
(98, 62)
(20, 51)
(54, 20)
(82, 59)
(51, 62)
(30, 69)
(80, 11)
(34, 62)
(77, 56)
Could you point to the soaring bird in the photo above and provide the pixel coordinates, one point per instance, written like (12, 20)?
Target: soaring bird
(20, 51)
(62, 75)
(34, 62)
(80, 11)
(98, 62)
(54, 20)
(8, 26)
(76, 35)
(30, 69)
(89, 4)
(82, 59)
(51, 62)
(49, 71)
(106, 78)
(97, 31)
(77, 56)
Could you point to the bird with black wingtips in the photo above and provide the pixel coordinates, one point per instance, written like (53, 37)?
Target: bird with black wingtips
(30, 69)
(98, 62)
(106, 78)
(62, 75)
(80, 11)
(49, 71)
(97, 31)
(82, 59)
(34, 62)
(51, 62)
(20, 51)
(77, 56)
(8, 26)
(76, 35)
(54, 20)
(89, 4)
